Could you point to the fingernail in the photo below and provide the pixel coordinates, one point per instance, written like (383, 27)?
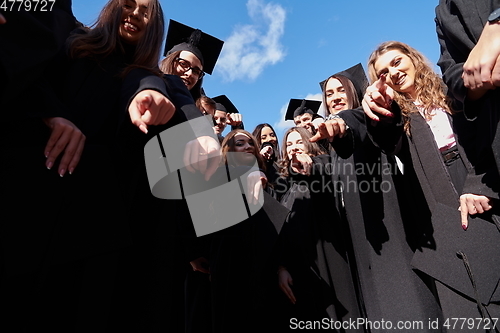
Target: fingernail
(49, 165)
(464, 226)
(47, 154)
(71, 171)
(61, 173)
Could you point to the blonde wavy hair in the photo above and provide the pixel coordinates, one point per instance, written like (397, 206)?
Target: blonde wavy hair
(429, 87)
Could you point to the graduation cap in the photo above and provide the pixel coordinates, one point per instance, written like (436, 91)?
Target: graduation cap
(207, 48)
(356, 74)
(222, 103)
(297, 107)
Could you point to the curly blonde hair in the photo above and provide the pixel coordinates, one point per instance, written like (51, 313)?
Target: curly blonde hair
(429, 87)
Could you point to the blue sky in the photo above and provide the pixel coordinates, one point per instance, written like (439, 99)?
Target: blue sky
(281, 49)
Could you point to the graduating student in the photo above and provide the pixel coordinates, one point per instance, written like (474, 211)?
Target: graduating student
(314, 272)
(241, 267)
(88, 224)
(269, 150)
(304, 113)
(30, 42)
(421, 126)
(382, 221)
(470, 70)
(468, 35)
(190, 53)
(225, 114)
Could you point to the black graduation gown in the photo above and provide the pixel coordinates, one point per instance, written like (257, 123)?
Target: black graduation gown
(313, 249)
(163, 234)
(93, 225)
(31, 289)
(242, 274)
(30, 42)
(386, 226)
(465, 262)
(459, 24)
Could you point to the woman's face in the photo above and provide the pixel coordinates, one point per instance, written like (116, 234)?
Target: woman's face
(294, 145)
(245, 146)
(268, 135)
(399, 71)
(189, 68)
(336, 98)
(133, 21)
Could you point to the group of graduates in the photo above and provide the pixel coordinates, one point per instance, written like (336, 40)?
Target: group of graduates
(127, 210)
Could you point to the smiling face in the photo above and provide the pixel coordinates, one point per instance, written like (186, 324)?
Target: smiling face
(294, 145)
(399, 70)
(336, 97)
(183, 68)
(220, 118)
(245, 147)
(304, 120)
(133, 21)
(268, 135)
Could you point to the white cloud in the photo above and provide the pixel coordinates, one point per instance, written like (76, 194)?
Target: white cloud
(252, 47)
(282, 125)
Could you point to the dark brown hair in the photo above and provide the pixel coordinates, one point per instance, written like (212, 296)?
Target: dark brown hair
(258, 131)
(229, 144)
(103, 38)
(206, 100)
(167, 66)
(350, 90)
(311, 148)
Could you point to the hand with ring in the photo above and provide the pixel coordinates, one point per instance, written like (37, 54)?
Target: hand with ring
(378, 99)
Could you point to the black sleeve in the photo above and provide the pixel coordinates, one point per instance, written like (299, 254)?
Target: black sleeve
(172, 87)
(29, 42)
(356, 134)
(388, 132)
(458, 26)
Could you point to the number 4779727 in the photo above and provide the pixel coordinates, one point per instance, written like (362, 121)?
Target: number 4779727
(470, 323)
(27, 5)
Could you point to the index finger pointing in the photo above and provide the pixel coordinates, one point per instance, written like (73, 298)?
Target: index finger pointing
(464, 214)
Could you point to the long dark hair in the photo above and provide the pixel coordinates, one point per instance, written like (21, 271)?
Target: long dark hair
(352, 97)
(257, 134)
(311, 148)
(103, 39)
(229, 144)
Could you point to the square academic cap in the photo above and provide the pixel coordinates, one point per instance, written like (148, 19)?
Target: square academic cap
(296, 107)
(222, 103)
(207, 48)
(356, 74)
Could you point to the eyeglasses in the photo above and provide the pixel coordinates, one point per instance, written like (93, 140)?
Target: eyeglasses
(186, 66)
